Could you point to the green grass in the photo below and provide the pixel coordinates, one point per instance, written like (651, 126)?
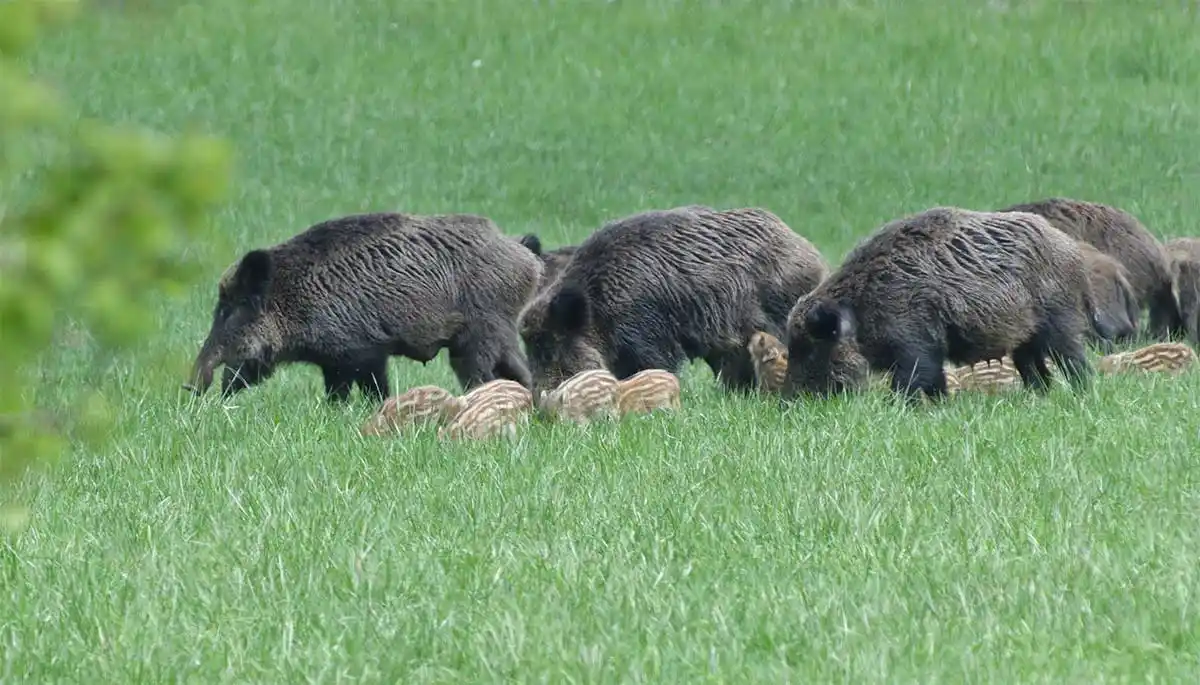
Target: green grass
(1010, 539)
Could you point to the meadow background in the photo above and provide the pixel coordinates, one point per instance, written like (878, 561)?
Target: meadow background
(1008, 539)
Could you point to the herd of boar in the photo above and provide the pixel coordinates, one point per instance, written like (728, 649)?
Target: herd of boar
(940, 301)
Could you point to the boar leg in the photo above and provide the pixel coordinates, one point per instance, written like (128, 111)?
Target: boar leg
(338, 381)
(372, 379)
(734, 369)
(1062, 340)
(1069, 356)
(1031, 364)
(1164, 323)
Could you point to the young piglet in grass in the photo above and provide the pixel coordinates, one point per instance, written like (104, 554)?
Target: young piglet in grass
(491, 410)
(1167, 357)
(511, 389)
(990, 377)
(769, 356)
(422, 404)
(585, 396)
(647, 391)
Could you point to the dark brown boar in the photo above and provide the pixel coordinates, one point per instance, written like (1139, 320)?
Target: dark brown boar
(1184, 254)
(1120, 235)
(554, 260)
(944, 284)
(347, 293)
(1117, 311)
(658, 288)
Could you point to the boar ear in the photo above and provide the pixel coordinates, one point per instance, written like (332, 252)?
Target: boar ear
(253, 275)
(828, 321)
(569, 309)
(532, 243)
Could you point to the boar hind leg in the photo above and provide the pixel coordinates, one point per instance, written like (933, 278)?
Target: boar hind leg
(372, 379)
(1165, 322)
(338, 382)
(915, 373)
(1031, 364)
(733, 369)
(1063, 342)
(1068, 355)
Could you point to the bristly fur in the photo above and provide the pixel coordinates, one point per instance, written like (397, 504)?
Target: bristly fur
(657, 288)
(1117, 310)
(1184, 254)
(944, 284)
(347, 293)
(1120, 235)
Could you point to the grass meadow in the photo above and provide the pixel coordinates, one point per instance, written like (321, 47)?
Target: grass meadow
(991, 539)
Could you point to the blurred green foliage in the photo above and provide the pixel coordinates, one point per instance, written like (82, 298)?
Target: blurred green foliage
(101, 236)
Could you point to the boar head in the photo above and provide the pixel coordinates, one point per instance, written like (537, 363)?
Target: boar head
(245, 334)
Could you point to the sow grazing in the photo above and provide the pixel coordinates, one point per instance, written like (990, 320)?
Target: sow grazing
(1120, 235)
(652, 290)
(1117, 309)
(945, 284)
(554, 260)
(347, 293)
(1185, 275)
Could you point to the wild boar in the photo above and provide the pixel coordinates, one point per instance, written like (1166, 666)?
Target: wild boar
(581, 398)
(554, 260)
(648, 391)
(770, 361)
(488, 412)
(1117, 310)
(517, 393)
(661, 287)
(1184, 254)
(1171, 358)
(944, 284)
(989, 377)
(347, 293)
(422, 404)
(1120, 235)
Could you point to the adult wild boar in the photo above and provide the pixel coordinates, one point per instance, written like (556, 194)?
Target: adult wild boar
(1120, 235)
(655, 289)
(944, 284)
(554, 260)
(1185, 277)
(347, 293)
(1117, 311)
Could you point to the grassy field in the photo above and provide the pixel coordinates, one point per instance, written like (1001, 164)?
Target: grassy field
(1009, 539)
